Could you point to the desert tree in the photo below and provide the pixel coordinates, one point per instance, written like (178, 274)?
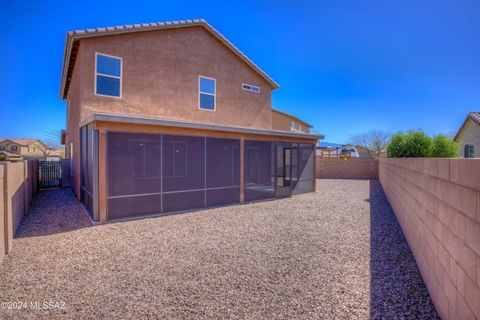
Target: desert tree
(50, 142)
(374, 141)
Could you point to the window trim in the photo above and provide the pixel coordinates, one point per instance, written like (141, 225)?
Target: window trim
(214, 95)
(251, 86)
(109, 76)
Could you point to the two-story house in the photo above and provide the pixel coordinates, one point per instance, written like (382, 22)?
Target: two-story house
(23, 148)
(171, 116)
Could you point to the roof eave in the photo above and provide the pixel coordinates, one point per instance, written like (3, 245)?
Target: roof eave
(109, 117)
(471, 118)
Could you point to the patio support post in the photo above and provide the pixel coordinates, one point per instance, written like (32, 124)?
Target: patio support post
(242, 170)
(102, 175)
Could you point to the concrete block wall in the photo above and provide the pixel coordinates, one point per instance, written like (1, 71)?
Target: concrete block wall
(2, 216)
(353, 168)
(437, 203)
(18, 185)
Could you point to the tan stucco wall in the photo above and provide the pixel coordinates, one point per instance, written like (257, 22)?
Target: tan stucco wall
(160, 78)
(3, 252)
(160, 72)
(470, 134)
(353, 168)
(73, 131)
(34, 148)
(283, 122)
(437, 203)
(18, 187)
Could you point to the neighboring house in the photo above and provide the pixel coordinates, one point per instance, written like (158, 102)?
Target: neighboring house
(362, 152)
(8, 156)
(348, 150)
(56, 155)
(365, 153)
(167, 117)
(468, 136)
(287, 122)
(24, 148)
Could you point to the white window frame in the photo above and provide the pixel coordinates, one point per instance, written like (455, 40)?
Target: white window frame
(107, 75)
(251, 86)
(207, 93)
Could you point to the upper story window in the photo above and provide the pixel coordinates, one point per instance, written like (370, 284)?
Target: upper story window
(108, 75)
(13, 148)
(294, 126)
(206, 88)
(249, 87)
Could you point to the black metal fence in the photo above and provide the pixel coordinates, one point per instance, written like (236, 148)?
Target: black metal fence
(49, 174)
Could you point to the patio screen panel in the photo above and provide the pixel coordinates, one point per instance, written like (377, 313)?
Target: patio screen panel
(183, 173)
(222, 171)
(259, 170)
(134, 175)
(150, 174)
(87, 166)
(153, 173)
(305, 169)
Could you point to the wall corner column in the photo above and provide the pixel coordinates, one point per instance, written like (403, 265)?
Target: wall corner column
(242, 170)
(102, 175)
(7, 211)
(25, 187)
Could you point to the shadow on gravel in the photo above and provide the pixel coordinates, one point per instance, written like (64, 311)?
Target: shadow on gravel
(51, 212)
(397, 290)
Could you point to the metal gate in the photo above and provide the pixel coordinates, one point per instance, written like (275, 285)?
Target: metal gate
(49, 174)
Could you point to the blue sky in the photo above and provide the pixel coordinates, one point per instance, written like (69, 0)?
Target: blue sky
(344, 66)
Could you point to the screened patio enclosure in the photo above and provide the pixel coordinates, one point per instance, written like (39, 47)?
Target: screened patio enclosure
(149, 174)
(277, 169)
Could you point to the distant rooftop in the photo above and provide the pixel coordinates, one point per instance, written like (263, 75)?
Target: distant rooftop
(20, 141)
(474, 116)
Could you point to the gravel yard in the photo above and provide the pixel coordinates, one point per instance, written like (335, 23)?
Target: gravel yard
(336, 253)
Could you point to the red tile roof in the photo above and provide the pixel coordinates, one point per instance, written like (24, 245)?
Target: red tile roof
(474, 116)
(22, 141)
